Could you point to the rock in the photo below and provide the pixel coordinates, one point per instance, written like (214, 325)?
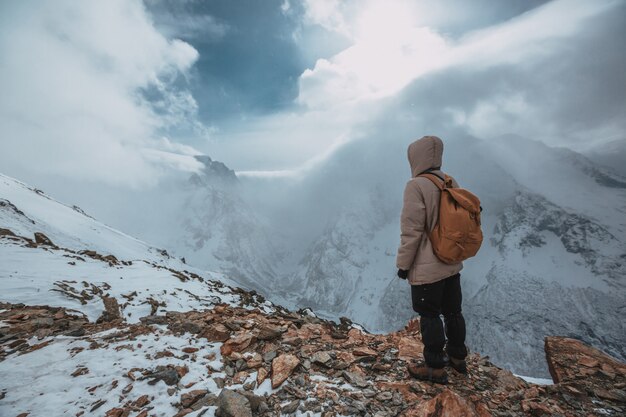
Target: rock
(257, 402)
(321, 358)
(269, 356)
(384, 396)
(42, 239)
(117, 412)
(282, 367)
(42, 322)
(6, 232)
(191, 327)
(190, 349)
(268, 332)
(261, 375)
(446, 404)
(354, 379)
(141, 401)
(80, 371)
(75, 332)
(364, 351)
(215, 333)
(571, 360)
(167, 374)
(111, 310)
(255, 361)
(232, 404)
(209, 400)
(410, 348)
(153, 319)
(219, 382)
(189, 398)
(291, 407)
(236, 344)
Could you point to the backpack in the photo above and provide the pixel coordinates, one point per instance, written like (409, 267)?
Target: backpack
(457, 235)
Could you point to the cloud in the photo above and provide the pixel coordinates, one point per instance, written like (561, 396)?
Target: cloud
(182, 19)
(527, 76)
(74, 77)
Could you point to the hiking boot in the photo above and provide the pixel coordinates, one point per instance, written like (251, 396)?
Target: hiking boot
(458, 365)
(426, 373)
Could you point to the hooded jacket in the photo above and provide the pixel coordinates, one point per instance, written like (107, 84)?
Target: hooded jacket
(420, 214)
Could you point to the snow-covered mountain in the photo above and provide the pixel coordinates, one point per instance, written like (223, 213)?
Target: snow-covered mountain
(553, 260)
(611, 155)
(554, 224)
(553, 219)
(94, 322)
(57, 255)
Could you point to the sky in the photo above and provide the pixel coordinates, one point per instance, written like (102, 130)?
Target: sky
(123, 93)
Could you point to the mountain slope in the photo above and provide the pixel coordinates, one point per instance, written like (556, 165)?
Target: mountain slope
(57, 255)
(139, 333)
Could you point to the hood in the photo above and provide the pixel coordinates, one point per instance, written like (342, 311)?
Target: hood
(425, 153)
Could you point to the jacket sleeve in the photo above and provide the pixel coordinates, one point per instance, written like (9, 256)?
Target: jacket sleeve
(412, 222)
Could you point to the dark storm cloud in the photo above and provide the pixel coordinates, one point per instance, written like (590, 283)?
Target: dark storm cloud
(253, 52)
(249, 61)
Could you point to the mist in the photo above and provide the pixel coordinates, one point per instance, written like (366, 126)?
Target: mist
(302, 197)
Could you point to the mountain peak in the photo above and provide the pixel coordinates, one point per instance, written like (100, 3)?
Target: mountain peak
(213, 173)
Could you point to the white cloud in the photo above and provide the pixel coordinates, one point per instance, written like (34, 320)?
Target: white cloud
(72, 75)
(390, 50)
(392, 59)
(327, 13)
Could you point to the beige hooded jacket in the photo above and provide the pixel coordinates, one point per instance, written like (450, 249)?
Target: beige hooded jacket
(420, 213)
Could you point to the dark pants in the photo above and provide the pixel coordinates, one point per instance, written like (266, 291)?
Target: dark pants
(432, 300)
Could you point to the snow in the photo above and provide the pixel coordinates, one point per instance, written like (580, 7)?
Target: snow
(536, 381)
(32, 275)
(65, 226)
(41, 384)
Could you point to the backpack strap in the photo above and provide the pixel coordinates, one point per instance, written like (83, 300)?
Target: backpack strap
(441, 183)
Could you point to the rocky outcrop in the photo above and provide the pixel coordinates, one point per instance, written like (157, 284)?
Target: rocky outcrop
(320, 367)
(586, 371)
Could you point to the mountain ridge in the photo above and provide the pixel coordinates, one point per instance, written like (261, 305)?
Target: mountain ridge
(137, 337)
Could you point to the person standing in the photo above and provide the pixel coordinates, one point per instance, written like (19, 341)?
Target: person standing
(435, 284)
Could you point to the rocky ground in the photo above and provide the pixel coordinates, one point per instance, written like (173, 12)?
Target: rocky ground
(240, 361)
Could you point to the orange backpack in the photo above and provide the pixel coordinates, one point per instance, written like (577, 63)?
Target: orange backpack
(457, 235)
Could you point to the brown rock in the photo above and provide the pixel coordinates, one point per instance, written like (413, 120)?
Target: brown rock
(321, 357)
(282, 367)
(141, 401)
(261, 375)
(571, 360)
(6, 232)
(255, 361)
(446, 404)
(232, 404)
(183, 412)
(189, 398)
(190, 349)
(236, 344)
(410, 348)
(117, 412)
(80, 371)
(42, 239)
(266, 331)
(216, 333)
(240, 377)
(111, 310)
(364, 351)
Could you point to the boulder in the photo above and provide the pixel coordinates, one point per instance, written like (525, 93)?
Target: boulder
(232, 404)
(282, 367)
